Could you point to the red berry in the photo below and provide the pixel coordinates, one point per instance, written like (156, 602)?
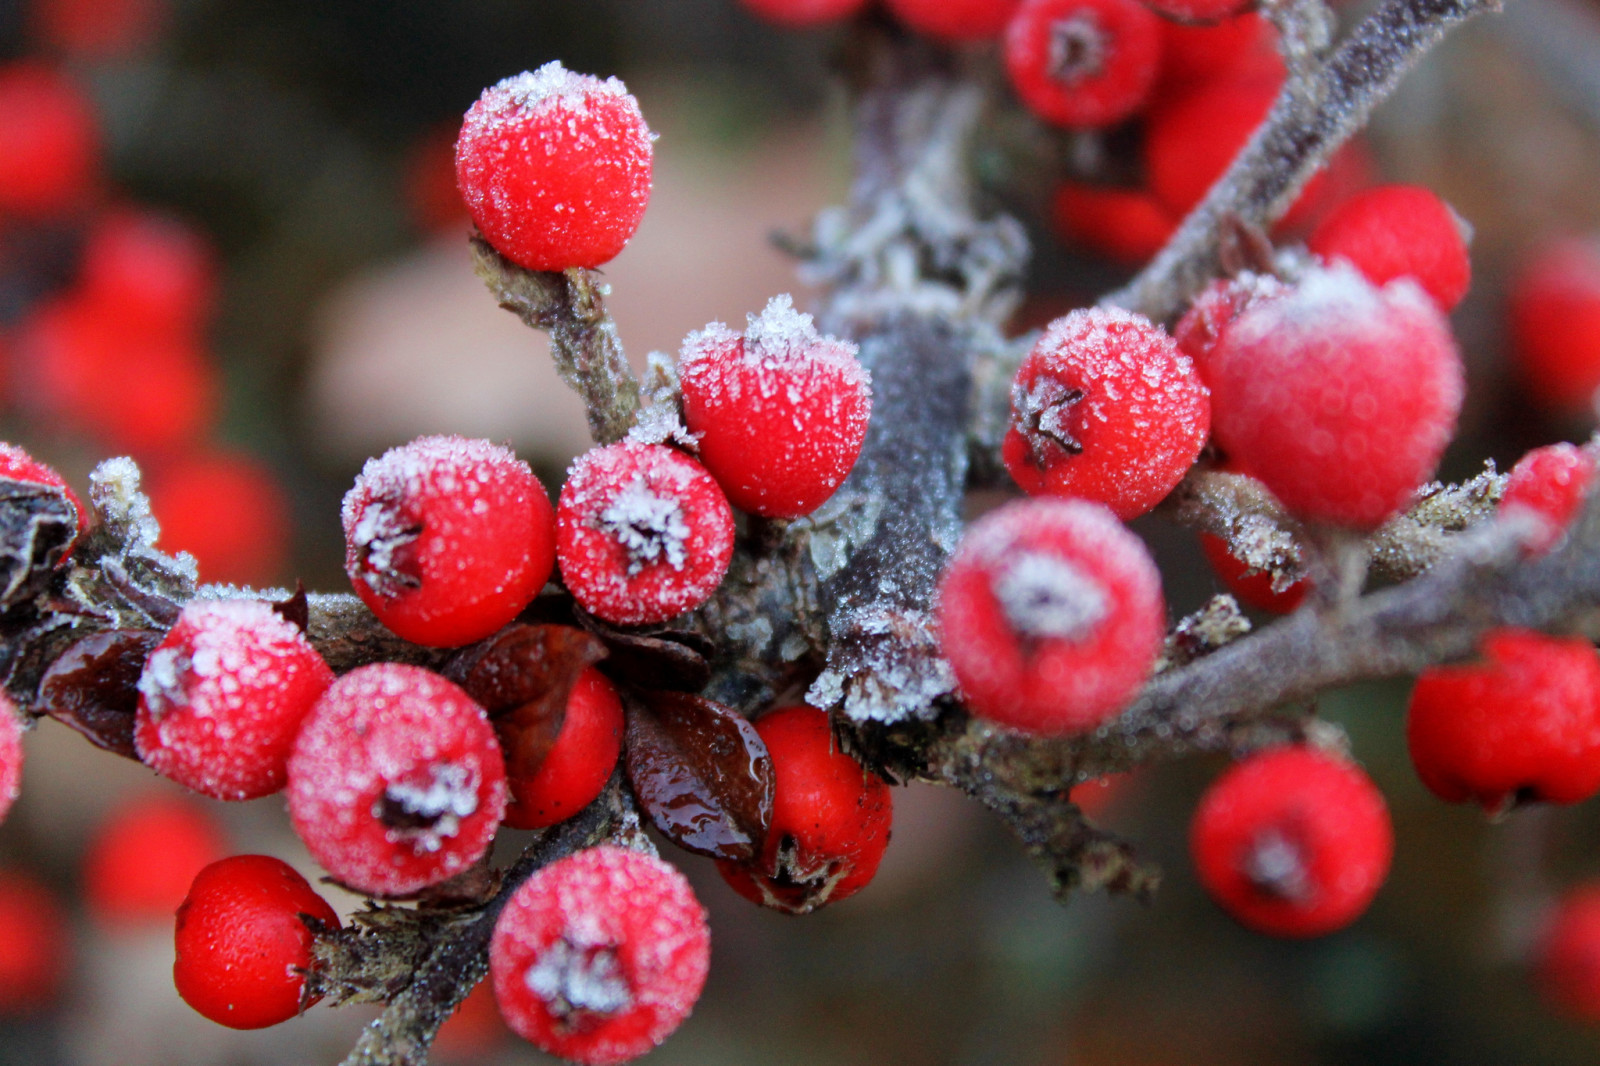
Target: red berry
(830, 819)
(1214, 309)
(447, 539)
(643, 533)
(10, 754)
(1105, 408)
(98, 29)
(578, 764)
(1567, 955)
(780, 409)
(150, 270)
(223, 695)
(1052, 615)
(1399, 231)
(1083, 62)
(555, 167)
(49, 141)
(474, 1032)
(599, 956)
(1253, 587)
(226, 509)
(1555, 324)
(1126, 225)
(429, 175)
(396, 781)
(804, 12)
(1100, 796)
(144, 855)
(1523, 725)
(34, 935)
(243, 942)
(1340, 397)
(1243, 45)
(1197, 10)
(1292, 842)
(1551, 483)
(18, 465)
(955, 20)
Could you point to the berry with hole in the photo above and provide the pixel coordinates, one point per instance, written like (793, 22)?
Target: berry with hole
(1551, 483)
(1399, 231)
(578, 764)
(1555, 324)
(1083, 63)
(1566, 956)
(144, 855)
(34, 935)
(955, 20)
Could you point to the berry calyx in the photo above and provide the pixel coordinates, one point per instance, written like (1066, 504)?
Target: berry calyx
(1567, 955)
(10, 754)
(1555, 324)
(1521, 726)
(781, 411)
(1292, 842)
(447, 539)
(1252, 587)
(243, 943)
(18, 465)
(1105, 408)
(223, 695)
(1399, 231)
(643, 533)
(1083, 63)
(396, 781)
(555, 167)
(955, 20)
(578, 764)
(144, 856)
(830, 819)
(599, 956)
(1551, 483)
(1051, 615)
(804, 12)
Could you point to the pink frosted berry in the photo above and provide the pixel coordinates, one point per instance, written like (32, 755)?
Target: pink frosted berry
(1051, 615)
(222, 696)
(1083, 63)
(555, 167)
(1550, 482)
(643, 533)
(1340, 397)
(599, 956)
(780, 409)
(447, 539)
(396, 781)
(1399, 231)
(1105, 408)
(10, 754)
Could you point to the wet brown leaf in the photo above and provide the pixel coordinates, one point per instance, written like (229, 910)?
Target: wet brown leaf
(677, 660)
(93, 687)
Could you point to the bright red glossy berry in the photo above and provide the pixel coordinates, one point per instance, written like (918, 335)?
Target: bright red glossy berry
(1555, 324)
(150, 270)
(10, 754)
(396, 781)
(1126, 225)
(830, 819)
(447, 539)
(223, 695)
(18, 465)
(144, 856)
(1340, 397)
(1567, 955)
(34, 939)
(1399, 231)
(242, 941)
(1083, 63)
(599, 956)
(1550, 482)
(643, 533)
(781, 410)
(226, 509)
(1105, 408)
(578, 764)
(1051, 615)
(1252, 587)
(49, 141)
(804, 12)
(1521, 726)
(955, 20)
(1292, 842)
(555, 167)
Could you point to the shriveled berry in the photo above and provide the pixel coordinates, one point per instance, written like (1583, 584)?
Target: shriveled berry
(781, 411)
(1253, 587)
(49, 141)
(1555, 324)
(955, 20)
(1551, 483)
(1399, 231)
(223, 695)
(1566, 957)
(1051, 615)
(578, 764)
(555, 167)
(830, 819)
(643, 532)
(1083, 63)
(1127, 225)
(1105, 408)
(599, 956)
(145, 854)
(396, 781)
(10, 754)
(1292, 842)
(1340, 397)
(228, 510)
(34, 940)
(1521, 726)
(243, 943)
(447, 539)
(804, 12)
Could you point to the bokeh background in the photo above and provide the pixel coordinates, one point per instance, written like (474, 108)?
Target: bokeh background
(307, 144)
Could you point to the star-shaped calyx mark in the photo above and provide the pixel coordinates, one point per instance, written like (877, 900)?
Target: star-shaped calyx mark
(1043, 414)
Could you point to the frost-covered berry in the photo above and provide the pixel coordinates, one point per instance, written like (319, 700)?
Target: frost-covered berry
(144, 856)
(1555, 324)
(49, 141)
(830, 819)
(781, 411)
(1399, 231)
(1551, 483)
(643, 532)
(1566, 956)
(1051, 615)
(1521, 726)
(1214, 308)
(447, 539)
(243, 945)
(955, 20)
(223, 695)
(1105, 408)
(1083, 63)
(599, 956)
(1292, 842)
(10, 754)
(804, 12)
(35, 935)
(578, 764)
(1340, 397)
(555, 167)
(1253, 587)
(396, 781)
(1127, 225)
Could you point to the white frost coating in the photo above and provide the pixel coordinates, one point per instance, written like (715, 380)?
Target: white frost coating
(896, 673)
(115, 495)
(648, 525)
(1047, 596)
(782, 346)
(554, 84)
(161, 683)
(572, 977)
(444, 464)
(449, 795)
(1276, 865)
